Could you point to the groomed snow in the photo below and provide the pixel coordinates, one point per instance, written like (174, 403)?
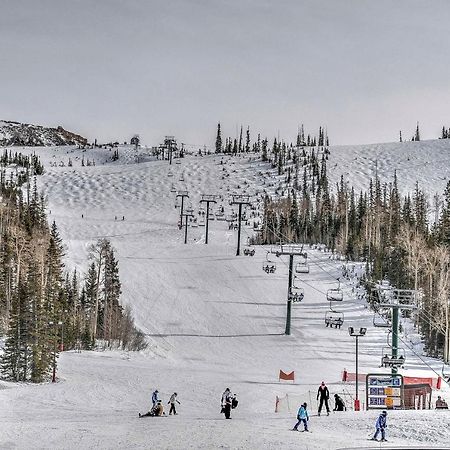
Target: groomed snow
(213, 320)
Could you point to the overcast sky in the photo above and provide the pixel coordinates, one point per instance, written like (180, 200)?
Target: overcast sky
(112, 68)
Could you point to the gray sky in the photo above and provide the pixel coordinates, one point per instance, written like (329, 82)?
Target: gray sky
(112, 68)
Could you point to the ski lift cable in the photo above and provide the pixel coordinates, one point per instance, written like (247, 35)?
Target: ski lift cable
(313, 287)
(301, 279)
(401, 339)
(317, 262)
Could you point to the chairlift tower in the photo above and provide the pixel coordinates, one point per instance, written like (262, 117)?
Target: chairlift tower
(291, 251)
(183, 195)
(188, 213)
(397, 299)
(207, 198)
(241, 200)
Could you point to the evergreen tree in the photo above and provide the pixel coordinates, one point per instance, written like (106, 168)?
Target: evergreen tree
(218, 139)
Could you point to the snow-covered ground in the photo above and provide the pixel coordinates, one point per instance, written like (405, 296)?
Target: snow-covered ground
(213, 320)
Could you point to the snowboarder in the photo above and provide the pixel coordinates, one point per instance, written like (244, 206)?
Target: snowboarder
(155, 398)
(302, 416)
(381, 426)
(226, 403)
(173, 399)
(324, 395)
(339, 404)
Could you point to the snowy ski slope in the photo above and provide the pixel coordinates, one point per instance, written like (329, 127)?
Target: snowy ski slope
(213, 319)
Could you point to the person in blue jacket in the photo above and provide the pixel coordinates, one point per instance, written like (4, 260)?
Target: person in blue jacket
(155, 397)
(381, 426)
(302, 416)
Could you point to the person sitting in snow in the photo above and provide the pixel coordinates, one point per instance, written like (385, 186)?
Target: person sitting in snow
(381, 426)
(339, 404)
(302, 416)
(441, 403)
(157, 410)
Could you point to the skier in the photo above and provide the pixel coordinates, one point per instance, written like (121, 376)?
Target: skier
(226, 403)
(171, 402)
(324, 395)
(339, 404)
(155, 398)
(381, 425)
(302, 416)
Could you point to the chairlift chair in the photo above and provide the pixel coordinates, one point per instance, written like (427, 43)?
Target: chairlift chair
(296, 296)
(335, 295)
(334, 319)
(269, 267)
(302, 267)
(387, 360)
(249, 251)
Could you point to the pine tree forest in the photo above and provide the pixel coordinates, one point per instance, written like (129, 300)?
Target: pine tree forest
(394, 234)
(43, 307)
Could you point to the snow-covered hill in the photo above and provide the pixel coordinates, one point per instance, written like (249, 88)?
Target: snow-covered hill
(212, 319)
(25, 134)
(425, 162)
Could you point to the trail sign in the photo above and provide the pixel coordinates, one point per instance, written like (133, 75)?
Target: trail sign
(384, 391)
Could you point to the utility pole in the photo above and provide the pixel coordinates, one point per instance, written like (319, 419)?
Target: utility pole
(207, 198)
(183, 195)
(170, 152)
(291, 251)
(357, 334)
(240, 199)
(189, 213)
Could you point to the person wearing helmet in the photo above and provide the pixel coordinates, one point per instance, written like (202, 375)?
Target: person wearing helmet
(381, 426)
(302, 416)
(324, 395)
(173, 399)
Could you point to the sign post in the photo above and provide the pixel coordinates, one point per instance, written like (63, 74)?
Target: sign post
(384, 391)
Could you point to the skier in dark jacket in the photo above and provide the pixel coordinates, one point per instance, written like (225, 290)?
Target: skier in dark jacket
(339, 404)
(324, 395)
(227, 400)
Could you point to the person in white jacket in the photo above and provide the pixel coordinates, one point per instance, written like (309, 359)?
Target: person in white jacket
(173, 399)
